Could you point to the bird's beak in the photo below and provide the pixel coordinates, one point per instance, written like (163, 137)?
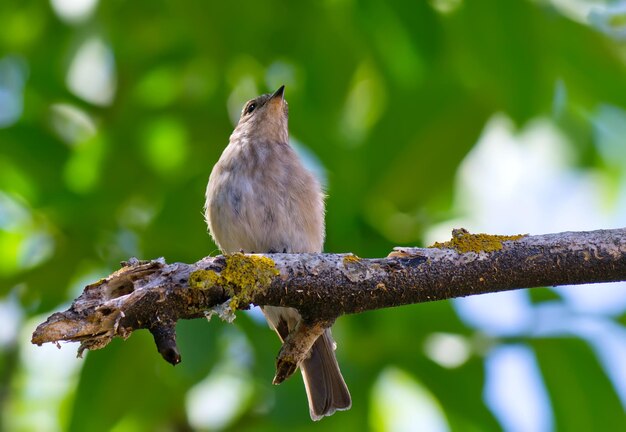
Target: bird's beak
(277, 101)
(280, 93)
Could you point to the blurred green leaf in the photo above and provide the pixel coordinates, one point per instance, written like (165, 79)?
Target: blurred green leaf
(165, 145)
(582, 396)
(82, 170)
(127, 384)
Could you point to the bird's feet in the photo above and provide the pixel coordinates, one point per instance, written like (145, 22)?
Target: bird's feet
(296, 348)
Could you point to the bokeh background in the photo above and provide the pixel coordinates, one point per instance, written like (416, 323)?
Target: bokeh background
(419, 116)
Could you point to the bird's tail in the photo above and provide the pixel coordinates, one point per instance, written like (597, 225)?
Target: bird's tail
(325, 388)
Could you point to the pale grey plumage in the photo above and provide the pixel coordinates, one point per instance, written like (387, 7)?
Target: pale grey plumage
(261, 199)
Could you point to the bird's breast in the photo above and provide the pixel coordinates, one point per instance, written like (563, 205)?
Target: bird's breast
(275, 206)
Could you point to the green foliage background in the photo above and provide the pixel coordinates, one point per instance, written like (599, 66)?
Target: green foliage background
(389, 96)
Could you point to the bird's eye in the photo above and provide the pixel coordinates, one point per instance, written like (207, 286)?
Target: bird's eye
(250, 108)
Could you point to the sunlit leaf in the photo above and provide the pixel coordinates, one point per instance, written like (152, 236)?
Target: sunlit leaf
(165, 145)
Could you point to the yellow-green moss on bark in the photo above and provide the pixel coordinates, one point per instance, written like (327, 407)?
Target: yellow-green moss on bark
(462, 241)
(349, 259)
(242, 276)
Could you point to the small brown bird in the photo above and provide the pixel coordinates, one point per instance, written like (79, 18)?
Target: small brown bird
(260, 198)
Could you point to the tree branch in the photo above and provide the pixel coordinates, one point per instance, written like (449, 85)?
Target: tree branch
(155, 295)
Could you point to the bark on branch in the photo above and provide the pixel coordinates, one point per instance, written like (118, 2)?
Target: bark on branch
(154, 295)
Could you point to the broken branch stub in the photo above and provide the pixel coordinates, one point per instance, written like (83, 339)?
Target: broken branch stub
(141, 295)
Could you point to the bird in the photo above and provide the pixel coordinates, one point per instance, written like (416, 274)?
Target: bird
(261, 199)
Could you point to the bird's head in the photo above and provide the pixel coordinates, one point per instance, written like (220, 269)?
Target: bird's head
(265, 117)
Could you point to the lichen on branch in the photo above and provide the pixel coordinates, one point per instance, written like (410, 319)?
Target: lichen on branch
(242, 276)
(462, 241)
